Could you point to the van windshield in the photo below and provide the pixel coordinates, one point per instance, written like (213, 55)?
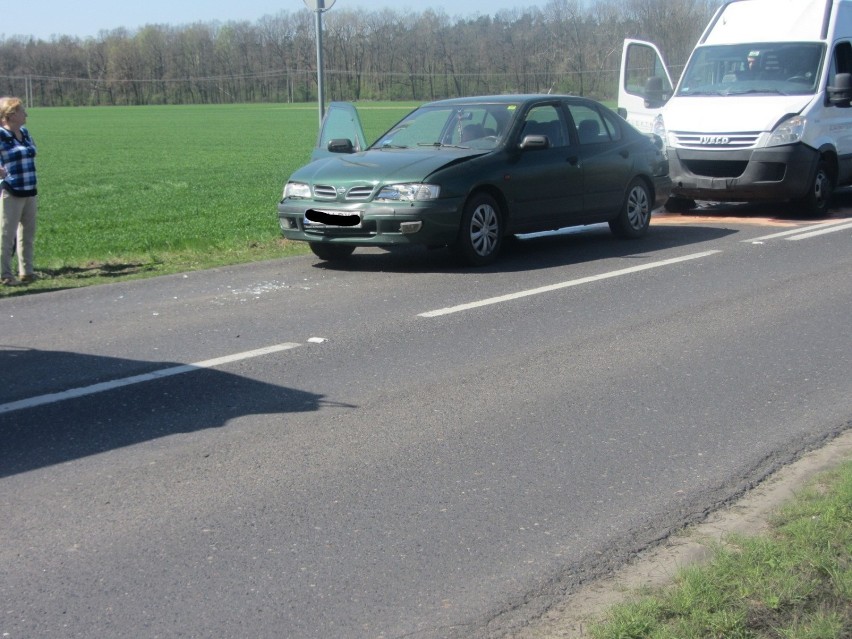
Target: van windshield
(770, 68)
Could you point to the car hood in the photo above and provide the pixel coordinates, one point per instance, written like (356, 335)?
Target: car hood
(729, 114)
(383, 165)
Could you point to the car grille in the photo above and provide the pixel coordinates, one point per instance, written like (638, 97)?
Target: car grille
(325, 192)
(359, 193)
(690, 140)
(328, 192)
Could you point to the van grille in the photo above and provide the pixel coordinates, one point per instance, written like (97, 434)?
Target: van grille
(715, 168)
(691, 140)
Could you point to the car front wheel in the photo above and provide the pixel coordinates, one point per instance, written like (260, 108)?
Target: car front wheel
(635, 215)
(481, 232)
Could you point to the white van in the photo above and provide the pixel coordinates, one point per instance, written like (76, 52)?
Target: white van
(762, 109)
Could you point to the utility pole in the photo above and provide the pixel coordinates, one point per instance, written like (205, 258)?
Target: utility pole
(318, 7)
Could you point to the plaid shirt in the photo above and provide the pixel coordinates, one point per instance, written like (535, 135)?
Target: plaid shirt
(18, 158)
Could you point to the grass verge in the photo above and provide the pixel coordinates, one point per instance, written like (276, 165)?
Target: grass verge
(130, 192)
(795, 582)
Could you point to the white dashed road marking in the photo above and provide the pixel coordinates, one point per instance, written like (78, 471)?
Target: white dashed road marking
(555, 287)
(138, 379)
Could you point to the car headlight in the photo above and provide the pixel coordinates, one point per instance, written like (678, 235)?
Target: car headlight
(789, 131)
(409, 192)
(297, 189)
(659, 127)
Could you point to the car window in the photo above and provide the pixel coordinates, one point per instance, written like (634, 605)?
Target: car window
(591, 128)
(546, 120)
(613, 126)
(476, 127)
(341, 121)
(422, 127)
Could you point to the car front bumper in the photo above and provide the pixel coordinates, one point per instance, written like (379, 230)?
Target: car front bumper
(432, 223)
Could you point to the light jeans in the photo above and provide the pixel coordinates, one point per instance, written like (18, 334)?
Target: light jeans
(17, 224)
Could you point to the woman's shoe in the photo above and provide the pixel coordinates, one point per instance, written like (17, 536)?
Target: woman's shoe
(26, 279)
(9, 281)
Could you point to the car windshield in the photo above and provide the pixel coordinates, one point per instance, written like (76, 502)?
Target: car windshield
(476, 126)
(771, 68)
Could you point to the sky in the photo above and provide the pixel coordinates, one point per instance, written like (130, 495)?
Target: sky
(46, 18)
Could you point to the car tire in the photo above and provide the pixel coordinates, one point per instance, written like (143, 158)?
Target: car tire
(331, 252)
(635, 215)
(481, 231)
(816, 201)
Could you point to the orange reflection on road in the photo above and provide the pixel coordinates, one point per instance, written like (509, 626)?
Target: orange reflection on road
(745, 213)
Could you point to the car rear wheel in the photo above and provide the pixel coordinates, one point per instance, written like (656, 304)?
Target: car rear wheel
(481, 232)
(635, 215)
(331, 252)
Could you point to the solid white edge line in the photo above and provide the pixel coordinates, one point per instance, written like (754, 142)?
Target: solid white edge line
(796, 231)
(830, 229)
(555, 287)
(138, 379)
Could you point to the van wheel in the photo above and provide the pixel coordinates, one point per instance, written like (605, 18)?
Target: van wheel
(635, 215)
(816, 200)
(331, 252)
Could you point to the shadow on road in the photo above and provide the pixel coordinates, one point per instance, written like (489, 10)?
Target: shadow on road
(531, 252)
(62, 431)
(776, 211)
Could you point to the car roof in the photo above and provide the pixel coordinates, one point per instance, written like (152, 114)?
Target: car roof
(504, 99)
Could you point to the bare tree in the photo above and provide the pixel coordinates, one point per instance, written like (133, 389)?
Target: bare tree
(569, 46)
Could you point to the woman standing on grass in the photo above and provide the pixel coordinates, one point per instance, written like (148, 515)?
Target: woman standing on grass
(18, 200)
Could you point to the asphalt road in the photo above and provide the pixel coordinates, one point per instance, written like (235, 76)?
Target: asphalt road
(402, 447)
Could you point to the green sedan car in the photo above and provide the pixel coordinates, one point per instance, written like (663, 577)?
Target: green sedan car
(468, 172)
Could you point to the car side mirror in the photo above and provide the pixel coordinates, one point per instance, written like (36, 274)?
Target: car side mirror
(340, 145)
(840, 93)
(534, 142)
(654, 95)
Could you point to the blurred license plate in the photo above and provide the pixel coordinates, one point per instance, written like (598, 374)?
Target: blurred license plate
(347, 219)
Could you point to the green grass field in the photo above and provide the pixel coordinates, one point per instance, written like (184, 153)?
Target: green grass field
(130, 191)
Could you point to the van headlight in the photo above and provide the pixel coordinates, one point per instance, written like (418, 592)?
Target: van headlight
(409, 192)
(789, 131)
(297, 189)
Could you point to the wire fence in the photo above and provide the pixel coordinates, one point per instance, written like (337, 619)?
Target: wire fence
(300, 85)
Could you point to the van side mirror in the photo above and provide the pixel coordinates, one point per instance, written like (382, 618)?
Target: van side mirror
(340, 145)
(654, 97)
(840, 93)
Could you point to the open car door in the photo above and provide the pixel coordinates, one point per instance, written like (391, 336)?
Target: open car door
(644, 84)
(341, 131)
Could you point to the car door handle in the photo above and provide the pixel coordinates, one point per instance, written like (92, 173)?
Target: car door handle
(624, 153)
(573, 160)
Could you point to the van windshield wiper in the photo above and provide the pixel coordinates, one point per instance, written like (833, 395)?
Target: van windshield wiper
(759, 90)
(689, 94)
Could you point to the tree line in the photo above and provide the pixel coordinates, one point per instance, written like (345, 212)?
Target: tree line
(568, 46)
